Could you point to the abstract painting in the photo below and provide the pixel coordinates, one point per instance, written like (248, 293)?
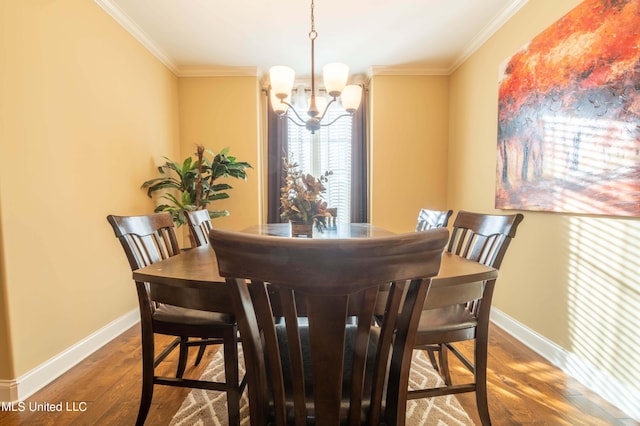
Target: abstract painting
(569, 115)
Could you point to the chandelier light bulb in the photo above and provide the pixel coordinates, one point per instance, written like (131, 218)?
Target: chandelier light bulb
(281, 78)
(335, 78)
(279, 107)
(351, 96)
(321, 102)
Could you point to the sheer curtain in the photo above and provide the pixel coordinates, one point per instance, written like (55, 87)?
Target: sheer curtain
(339, 148)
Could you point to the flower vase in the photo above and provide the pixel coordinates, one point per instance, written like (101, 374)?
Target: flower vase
(299, 229)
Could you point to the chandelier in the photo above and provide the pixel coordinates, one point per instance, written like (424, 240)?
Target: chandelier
(335, 80)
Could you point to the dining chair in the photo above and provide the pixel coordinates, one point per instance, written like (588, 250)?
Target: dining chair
(199, 223)
(462, 313)
(196, 310)
(331, 220)
(330, 367)
(429, 219)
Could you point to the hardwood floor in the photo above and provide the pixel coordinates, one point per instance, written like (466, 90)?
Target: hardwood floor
(105, 389)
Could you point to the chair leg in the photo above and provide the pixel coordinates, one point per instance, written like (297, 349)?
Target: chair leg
(182, 359)
(432, 358)
(147, 380)
(145, 401)
(201, 350)
(231, 377)
(481, 383)
(444, 364)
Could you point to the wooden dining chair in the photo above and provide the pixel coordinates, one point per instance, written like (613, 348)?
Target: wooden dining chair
(199, 223)
(462, 313)
(331, 220)
(196, 310)
(429, 219)
(330, 367)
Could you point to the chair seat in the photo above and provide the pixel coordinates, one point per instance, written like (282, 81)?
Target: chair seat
(175, 314)
(450, 319)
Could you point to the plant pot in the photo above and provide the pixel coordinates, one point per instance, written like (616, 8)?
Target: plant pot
(299, 229)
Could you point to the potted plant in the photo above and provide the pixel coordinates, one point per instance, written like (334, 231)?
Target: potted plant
(196, 182)
(301, 200)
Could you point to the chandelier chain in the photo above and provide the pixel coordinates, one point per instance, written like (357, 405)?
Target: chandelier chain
(313, 33)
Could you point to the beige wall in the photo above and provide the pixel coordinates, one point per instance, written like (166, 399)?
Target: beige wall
(220, 112)
(566, 277)
(85, 114)
(409, 117)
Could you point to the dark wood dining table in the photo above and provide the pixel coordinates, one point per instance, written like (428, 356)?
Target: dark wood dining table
(200, 265)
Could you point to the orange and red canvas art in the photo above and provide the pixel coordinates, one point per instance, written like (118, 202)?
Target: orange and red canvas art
(569, 115)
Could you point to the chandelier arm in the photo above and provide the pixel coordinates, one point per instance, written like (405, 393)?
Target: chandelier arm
(291, 108)
(293, 121)
(326, 108)
(346, 114)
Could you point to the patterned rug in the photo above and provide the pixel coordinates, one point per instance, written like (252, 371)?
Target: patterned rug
(208, 408)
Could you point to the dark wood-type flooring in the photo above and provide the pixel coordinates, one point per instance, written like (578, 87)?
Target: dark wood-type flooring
(524, 390)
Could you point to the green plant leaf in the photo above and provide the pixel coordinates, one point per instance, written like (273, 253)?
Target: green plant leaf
(185, 178)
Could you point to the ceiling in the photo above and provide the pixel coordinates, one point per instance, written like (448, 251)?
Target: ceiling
(246, 37)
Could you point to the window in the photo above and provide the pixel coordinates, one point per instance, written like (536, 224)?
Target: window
(329, 149)
(340, 148)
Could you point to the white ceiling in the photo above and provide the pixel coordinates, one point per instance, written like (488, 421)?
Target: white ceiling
(246, 37)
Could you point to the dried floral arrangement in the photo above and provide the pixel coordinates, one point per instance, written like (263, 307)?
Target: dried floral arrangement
(301, 197)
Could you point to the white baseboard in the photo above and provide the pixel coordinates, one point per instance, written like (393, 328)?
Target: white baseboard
(618, 394)
(31, 382)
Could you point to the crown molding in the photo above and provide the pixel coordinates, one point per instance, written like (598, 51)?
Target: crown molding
(489, 30)
(481, 38)
(221, 71)
(132, 28)
(210, 71)
(377, 70)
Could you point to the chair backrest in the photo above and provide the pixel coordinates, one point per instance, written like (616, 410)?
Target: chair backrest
(483, 238)
(199, 223)
(429, 219)
(331, 220)
(146, 239)
(331, 281)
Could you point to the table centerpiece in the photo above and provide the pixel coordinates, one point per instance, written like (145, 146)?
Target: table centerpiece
(301, 200)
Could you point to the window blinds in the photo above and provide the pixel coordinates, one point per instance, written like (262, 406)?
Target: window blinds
(329, 149)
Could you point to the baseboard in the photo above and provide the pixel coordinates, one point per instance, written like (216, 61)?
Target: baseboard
(618, 394)
(31, 382)
(8, 390)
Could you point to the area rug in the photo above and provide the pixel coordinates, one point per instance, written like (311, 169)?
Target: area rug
(209, 408)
